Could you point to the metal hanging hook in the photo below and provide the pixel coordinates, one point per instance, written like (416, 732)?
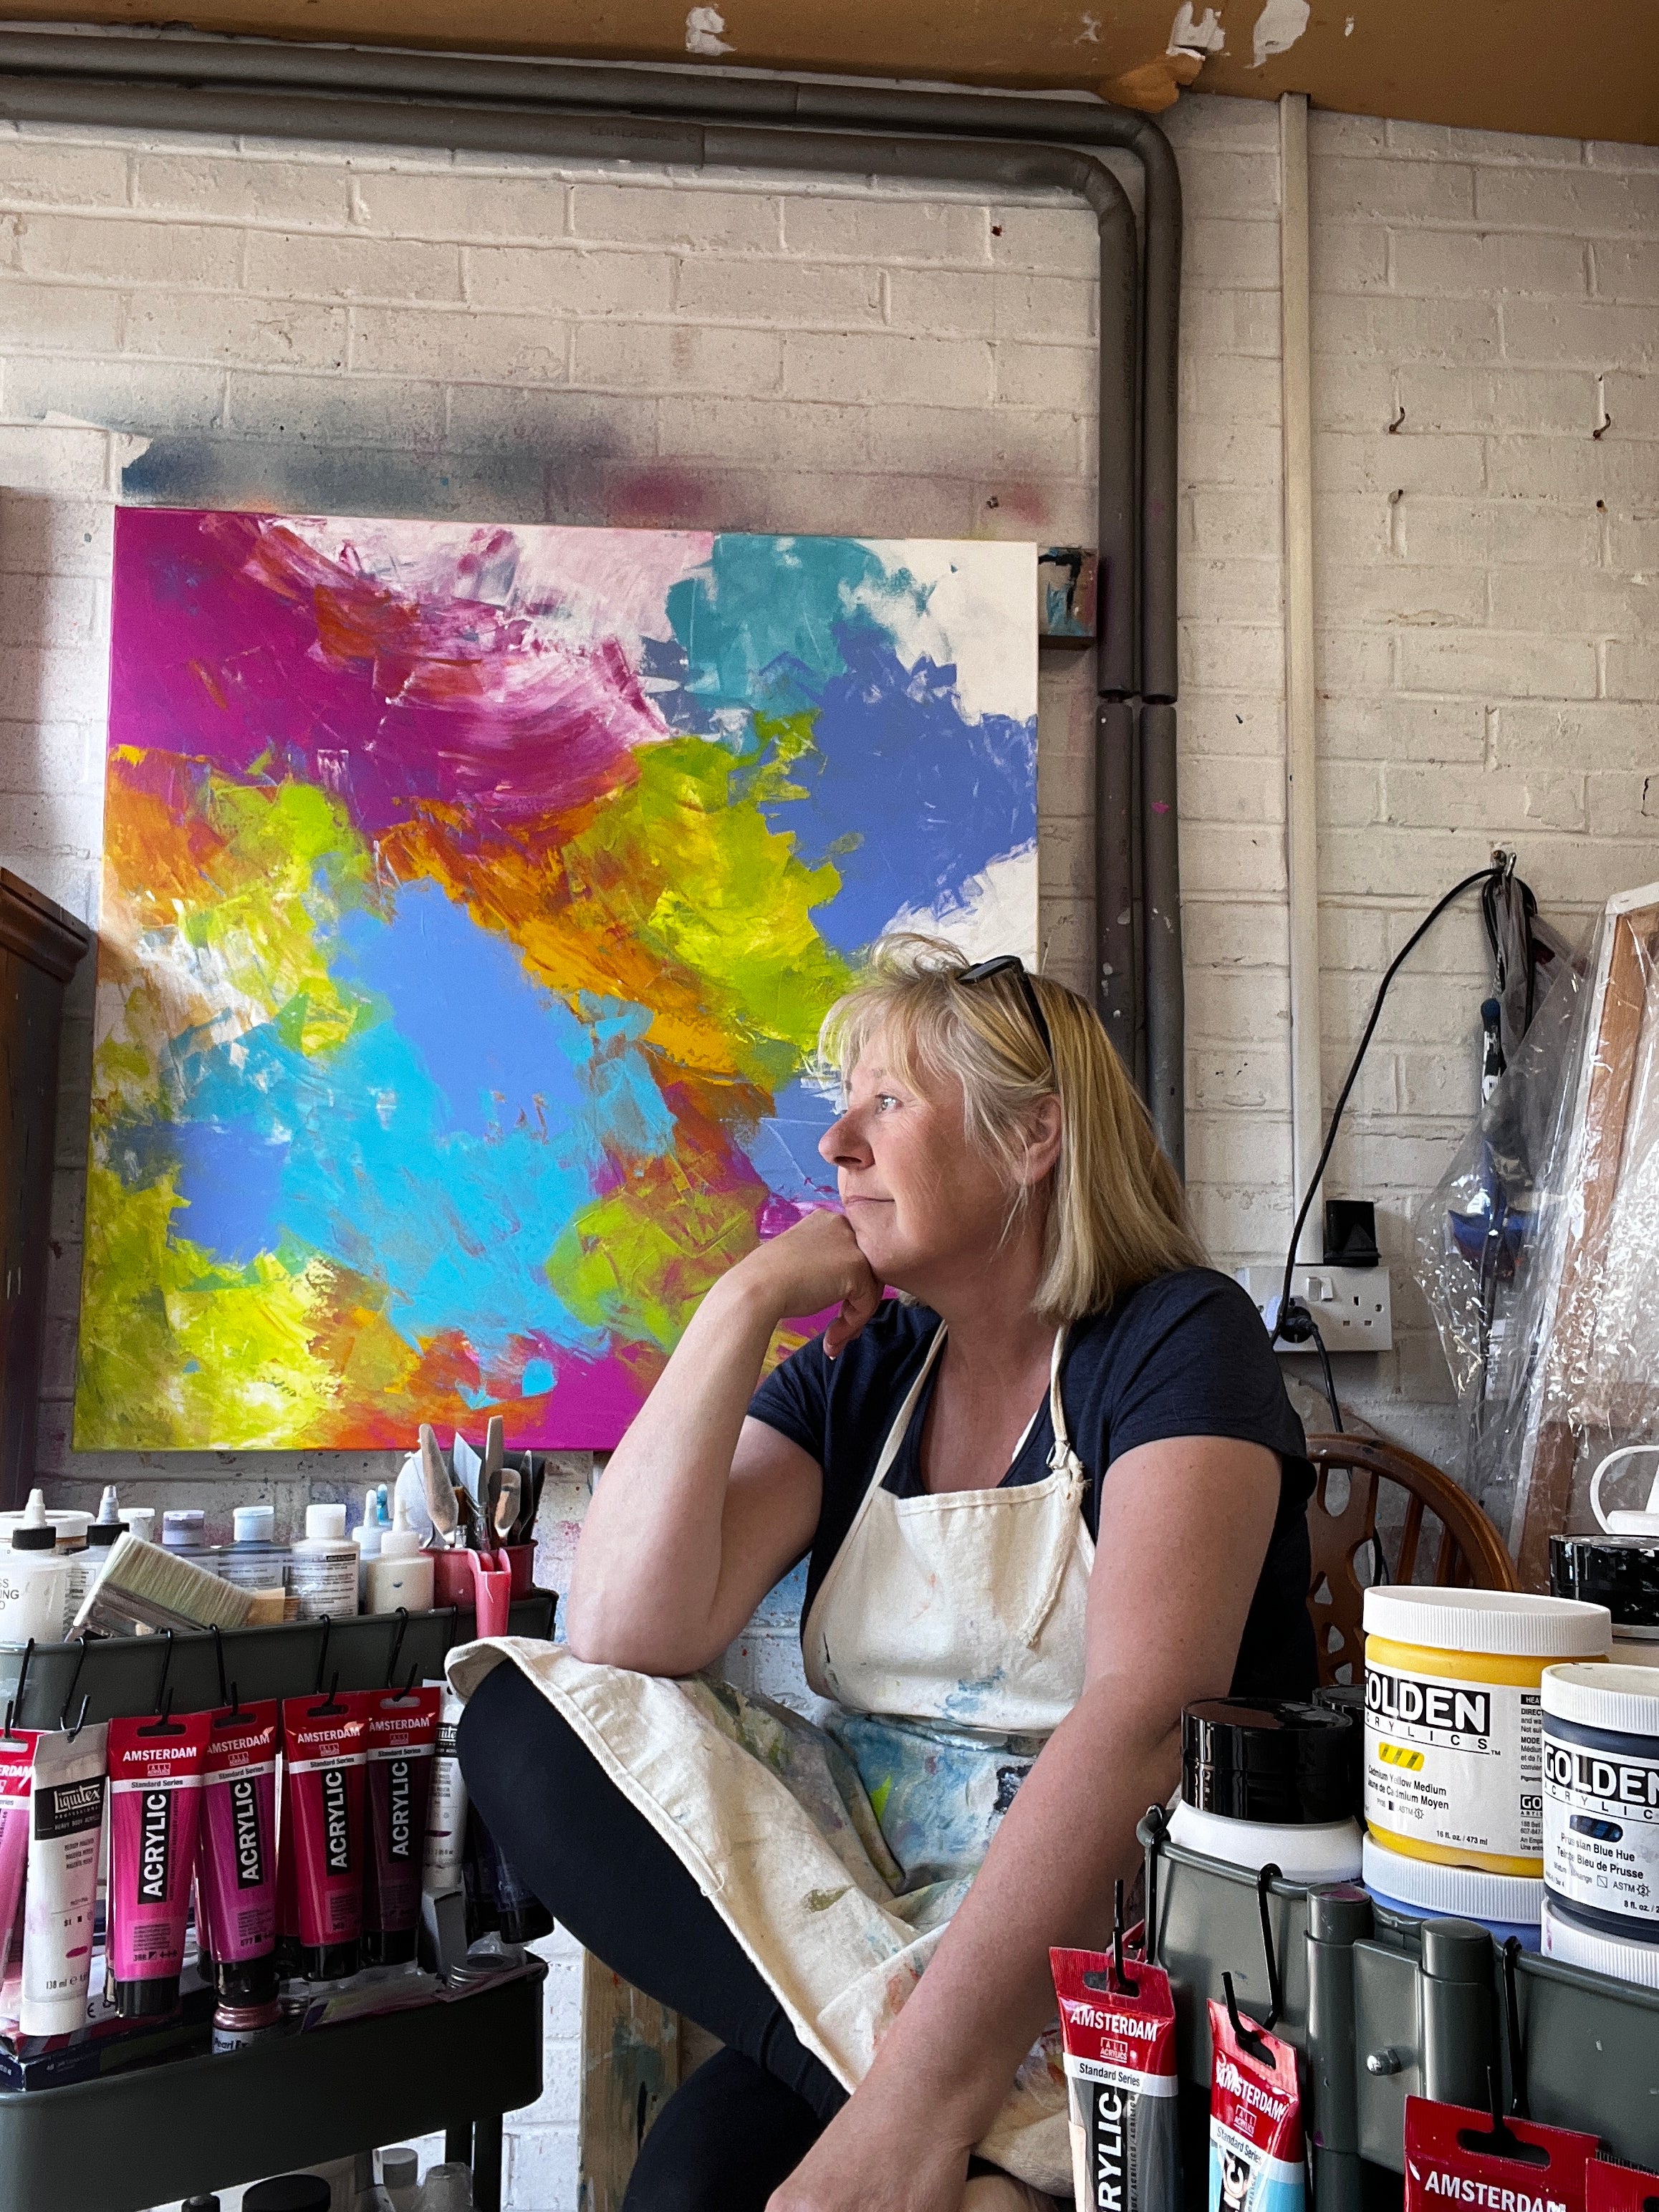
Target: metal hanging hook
(1264, 1881)
(322, 1657)
(163, 1692)
(15, 1702)
(1149, 1832)
(1245, 2029)
(1517, 2057)
(69, 1696)
(219, 1660)
(401, 1616)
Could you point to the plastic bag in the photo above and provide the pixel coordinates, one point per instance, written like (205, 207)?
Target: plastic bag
(1482, 1231)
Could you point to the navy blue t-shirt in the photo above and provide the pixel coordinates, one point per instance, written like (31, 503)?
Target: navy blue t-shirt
(1184, 1355)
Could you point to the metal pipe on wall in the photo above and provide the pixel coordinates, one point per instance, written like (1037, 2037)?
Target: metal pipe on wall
(690, 118)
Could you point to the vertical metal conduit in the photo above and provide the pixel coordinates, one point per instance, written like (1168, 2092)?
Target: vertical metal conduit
(687, 117)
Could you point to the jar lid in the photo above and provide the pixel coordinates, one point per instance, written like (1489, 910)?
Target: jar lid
(253, 1524)
(103, 1534)
(1623, 1699)
(1620, 1572)
(34, 1536)
(325, 1524)
(399, 2167)
(1461, 1893)
(289, 2192)
(1266, 1759)
(184, 1529)
(1506, 1624)
(1625, 1958)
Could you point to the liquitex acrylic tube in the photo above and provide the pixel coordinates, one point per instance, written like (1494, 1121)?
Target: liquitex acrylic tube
(1256, 2157)
(66, 1824)
(1119, 2039)
(155, 1803)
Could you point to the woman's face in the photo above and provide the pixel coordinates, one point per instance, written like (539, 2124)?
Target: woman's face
(923, 1202)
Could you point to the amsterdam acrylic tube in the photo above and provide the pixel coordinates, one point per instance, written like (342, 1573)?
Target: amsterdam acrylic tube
(322, 1743)
(1119, 2037)
(16, 1779)
(1256, 2161)
(236, 1873)
(66, 1826)
(402, 1743)
(155, 1805)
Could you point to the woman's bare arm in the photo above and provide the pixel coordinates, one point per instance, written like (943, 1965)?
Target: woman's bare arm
(700, 1508)
(1184, 1529)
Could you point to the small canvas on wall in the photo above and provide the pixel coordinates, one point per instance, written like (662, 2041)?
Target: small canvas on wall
(472, 898)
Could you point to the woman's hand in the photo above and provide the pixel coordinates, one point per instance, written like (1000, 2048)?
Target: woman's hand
(877, 2155)
(815, 1264)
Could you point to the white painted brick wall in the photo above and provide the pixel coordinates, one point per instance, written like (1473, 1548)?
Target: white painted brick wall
(322, 330)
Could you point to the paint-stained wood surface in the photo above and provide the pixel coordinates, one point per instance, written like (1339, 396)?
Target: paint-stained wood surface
(630, 2061)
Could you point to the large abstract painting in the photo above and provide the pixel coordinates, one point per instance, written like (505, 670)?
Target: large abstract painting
(472, 898)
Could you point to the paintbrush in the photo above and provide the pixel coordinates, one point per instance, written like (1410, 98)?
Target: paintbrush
(441, 1498)
(161, 1590)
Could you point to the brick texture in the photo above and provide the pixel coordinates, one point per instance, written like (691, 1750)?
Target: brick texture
(349, 330)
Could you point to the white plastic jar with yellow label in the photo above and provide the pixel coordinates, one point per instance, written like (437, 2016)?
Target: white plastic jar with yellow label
(1454, 1721)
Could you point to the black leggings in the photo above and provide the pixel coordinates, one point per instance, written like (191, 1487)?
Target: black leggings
(745, 2119)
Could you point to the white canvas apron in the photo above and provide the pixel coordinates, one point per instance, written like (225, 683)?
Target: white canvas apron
(949, 1632)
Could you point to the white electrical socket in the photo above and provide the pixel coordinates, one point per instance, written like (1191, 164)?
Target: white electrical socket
(1351, 1305)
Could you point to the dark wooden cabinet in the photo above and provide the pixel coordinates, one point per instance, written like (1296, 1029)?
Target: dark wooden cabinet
(40, 948)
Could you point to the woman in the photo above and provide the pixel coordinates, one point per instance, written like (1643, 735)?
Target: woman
(1048, 1496)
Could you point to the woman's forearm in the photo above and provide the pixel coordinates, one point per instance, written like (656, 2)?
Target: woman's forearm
(648, 1567)
(987, 1992)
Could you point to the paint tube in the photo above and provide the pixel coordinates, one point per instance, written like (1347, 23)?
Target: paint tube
(1610, 2188)
(66, 1824)
(402, 1743)
(501, 1902)
(155, 1807)
(236, 1870)
(323, 1742)
(446, 1820)
(1256, 2161)
(1454, 2154)
(288, 1891)
(1119, 2037)
(16, 1778)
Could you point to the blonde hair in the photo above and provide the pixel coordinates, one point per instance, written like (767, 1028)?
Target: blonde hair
(1117, 1215)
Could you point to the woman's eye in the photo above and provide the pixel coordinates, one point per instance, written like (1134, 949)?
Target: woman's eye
(884, 1099)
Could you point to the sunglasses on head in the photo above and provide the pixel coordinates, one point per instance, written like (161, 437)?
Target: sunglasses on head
(1010, 963)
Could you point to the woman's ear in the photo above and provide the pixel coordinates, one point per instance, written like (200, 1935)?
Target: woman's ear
(1044, 1133)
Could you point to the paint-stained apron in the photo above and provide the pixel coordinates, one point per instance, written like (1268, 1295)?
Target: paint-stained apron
(949, 1632)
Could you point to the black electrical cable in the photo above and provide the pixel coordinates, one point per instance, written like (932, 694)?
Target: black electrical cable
(1302, 1327)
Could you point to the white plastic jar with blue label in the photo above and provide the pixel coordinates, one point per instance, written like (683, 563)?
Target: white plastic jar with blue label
(1601, 1802)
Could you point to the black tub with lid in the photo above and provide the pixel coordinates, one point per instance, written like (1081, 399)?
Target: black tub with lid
(1269, 1781)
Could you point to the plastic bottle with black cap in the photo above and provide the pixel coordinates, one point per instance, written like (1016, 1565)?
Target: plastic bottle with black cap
(289, 2192)
(1268, 1781)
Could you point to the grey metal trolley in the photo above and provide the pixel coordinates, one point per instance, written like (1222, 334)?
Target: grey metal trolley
(147, 2135)
(1383, 2007)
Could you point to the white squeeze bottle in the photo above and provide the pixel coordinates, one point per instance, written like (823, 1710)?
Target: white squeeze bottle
(323, 1567)
(35, 1580)
(402, 1574)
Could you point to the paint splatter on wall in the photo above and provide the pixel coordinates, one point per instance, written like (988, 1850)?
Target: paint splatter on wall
(472, 898)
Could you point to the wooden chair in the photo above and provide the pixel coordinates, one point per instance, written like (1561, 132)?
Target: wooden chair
(1471, 1555)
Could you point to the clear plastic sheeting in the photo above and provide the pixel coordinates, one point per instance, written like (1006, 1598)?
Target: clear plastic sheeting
(1539, 1251)
(1481, 1233)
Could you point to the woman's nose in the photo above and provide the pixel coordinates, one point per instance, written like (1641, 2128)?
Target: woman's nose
(842, 1144)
